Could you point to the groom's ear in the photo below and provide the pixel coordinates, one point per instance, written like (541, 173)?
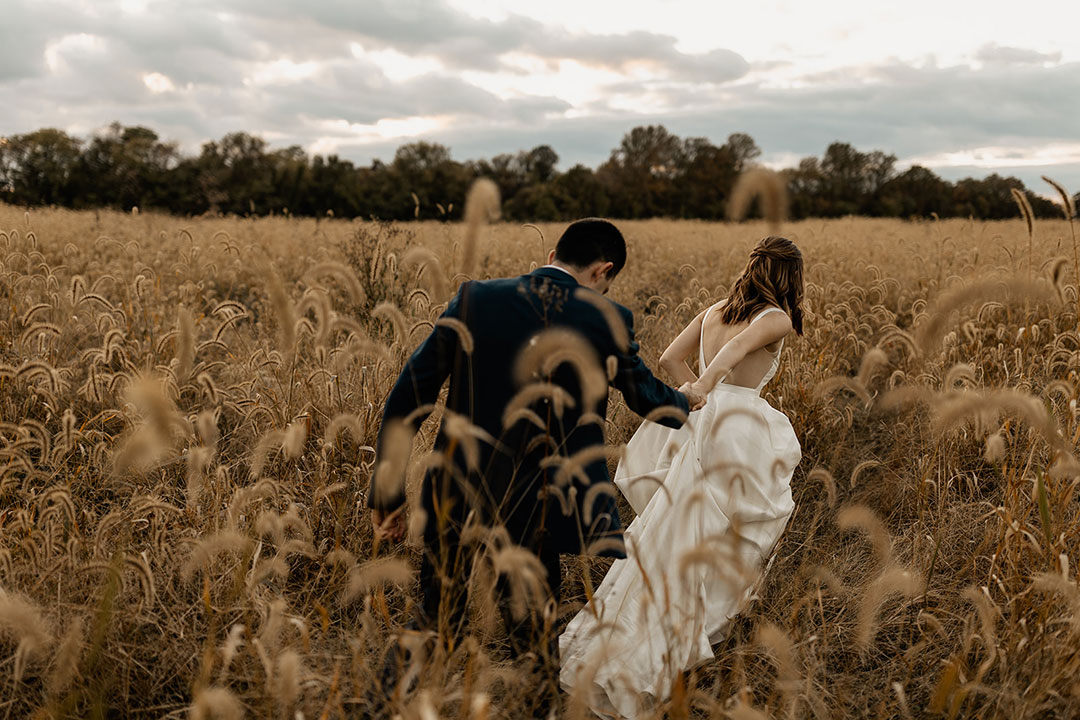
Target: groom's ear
(551, 257)
(603, 271)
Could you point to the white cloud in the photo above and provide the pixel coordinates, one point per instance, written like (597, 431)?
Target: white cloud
(1003, 156)
(341, 133)
(781, 160)
(157, 83)
(818, 36)
(397, 66)
(58, 52)
(570, 80)
(282, 71)
(134, 7)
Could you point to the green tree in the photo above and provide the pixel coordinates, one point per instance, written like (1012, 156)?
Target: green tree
(37, 168)
(916, 192)
(989, 198)
(125, 167)
(334, 185)
(805, 188)
(706, 176)
(852, 180)
(640, 172)
(581, 194)
(235, 175)
(742, 150)
(426, 170)
(538, 165)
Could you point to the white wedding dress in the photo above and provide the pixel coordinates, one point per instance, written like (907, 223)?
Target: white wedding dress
(712, 499)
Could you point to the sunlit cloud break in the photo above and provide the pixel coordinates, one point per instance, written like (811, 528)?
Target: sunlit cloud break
(282, 71)
(157, 83)
(1000, 156)
(341, 133)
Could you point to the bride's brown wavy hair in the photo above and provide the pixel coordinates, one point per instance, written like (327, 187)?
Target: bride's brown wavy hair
(773, 277)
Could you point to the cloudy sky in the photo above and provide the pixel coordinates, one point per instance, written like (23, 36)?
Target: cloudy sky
(963, 86)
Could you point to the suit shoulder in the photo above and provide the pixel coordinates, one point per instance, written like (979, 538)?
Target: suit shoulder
(476, 289)
(590, 314)
(624, 313)
(494, 285)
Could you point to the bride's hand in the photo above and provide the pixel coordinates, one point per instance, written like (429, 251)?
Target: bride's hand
(694, 396)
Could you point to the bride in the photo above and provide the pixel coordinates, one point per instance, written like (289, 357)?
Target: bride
(711, 498)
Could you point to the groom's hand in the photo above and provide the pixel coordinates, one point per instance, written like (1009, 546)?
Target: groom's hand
(695, 397)
(389, 525)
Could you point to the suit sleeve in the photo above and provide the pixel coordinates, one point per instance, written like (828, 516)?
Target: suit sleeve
(417, 386)
(640, 388)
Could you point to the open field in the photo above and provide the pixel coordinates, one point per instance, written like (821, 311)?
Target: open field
(188, 409)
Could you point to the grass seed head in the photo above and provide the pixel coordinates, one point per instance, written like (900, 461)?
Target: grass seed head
(481, 205)
(768, 187)
(216, 703)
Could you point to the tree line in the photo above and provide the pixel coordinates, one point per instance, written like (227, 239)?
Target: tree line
(652, 173)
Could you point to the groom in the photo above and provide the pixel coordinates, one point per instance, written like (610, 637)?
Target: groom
(529, 361)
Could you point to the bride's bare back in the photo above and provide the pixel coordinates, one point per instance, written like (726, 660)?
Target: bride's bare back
(715, 334)
(740, 354)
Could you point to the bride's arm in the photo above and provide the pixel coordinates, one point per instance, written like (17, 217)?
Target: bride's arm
(768, 330)
(674, 358)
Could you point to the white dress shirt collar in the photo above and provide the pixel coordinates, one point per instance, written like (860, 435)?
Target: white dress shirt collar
(556, 267)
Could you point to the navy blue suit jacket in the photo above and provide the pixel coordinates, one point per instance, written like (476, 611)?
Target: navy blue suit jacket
(515, 472)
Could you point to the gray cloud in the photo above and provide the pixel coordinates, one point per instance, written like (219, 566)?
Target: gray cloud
(24, 33)
(208, 47)
(906, 111)
(617, 52)
(464, 42)
(362, 94)
(995, 54)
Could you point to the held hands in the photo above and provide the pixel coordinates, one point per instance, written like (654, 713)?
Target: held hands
(694, 396)
(713, 375)
(389, 525)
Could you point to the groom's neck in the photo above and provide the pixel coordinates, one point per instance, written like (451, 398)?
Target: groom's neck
(584, 276)
(572, 272)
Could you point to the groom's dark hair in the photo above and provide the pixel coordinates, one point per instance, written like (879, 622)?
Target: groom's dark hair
(589, 240)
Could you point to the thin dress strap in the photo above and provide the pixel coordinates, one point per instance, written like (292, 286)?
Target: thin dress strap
(771, 372)
(701, 339)
(765, 312)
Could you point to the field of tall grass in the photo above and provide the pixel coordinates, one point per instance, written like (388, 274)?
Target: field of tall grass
(188, 409)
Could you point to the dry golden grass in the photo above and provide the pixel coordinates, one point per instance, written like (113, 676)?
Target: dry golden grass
(189, 408)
